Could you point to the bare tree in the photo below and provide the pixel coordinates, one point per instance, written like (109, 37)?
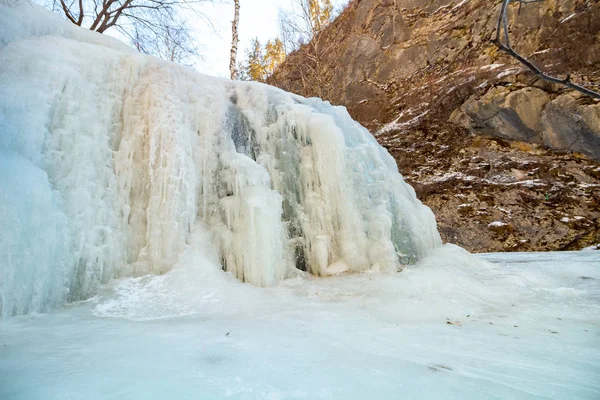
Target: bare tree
(304, 22)
(234, 39)
(169, 40)
(301, 30)
(287, 31)
(502, 41)
(153, 26)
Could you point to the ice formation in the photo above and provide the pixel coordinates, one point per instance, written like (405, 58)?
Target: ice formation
(109, 159)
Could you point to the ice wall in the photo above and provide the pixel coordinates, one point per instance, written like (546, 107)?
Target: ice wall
(110, 158)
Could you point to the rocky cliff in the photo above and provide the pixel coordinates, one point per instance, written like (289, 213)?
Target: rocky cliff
(505, 160)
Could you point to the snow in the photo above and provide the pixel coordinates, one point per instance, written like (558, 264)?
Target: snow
(111, 159)
(542, 51)
(510, 325)
(529, 183)
(510, 71)
(587, 185)
(453, 175)
(491, 67)
(497, 224)
(567, 18)
(446, 7)
(442, 9)
(483, 85)
(504, 210)
(499, 180)
(396, 125)
(459, 5)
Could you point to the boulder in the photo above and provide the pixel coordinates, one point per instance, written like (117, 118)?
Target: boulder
(513, 115)
(567, 123)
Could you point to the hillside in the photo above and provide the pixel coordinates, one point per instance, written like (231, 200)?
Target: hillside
(506, 161)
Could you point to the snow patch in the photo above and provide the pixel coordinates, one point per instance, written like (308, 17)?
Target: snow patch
(497, 224)
(482, 85)
(491, 67)
(395, 125)
(459, 5)
(562, 21)
(510, 71)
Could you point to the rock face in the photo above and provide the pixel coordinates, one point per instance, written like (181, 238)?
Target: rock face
(424, 76)
(566, 123)
(569, 122)
(510, 115)
(389, 60)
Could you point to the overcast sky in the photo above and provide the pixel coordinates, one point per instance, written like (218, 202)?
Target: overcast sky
(258, 18)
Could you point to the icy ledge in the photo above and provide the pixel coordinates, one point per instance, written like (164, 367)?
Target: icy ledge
(109, 159)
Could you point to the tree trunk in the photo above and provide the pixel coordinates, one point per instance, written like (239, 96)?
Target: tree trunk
(234, 40)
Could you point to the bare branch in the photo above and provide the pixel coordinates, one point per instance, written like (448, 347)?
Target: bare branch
(67, 12)
(157, 27)
(80, 19)
(113, 17)
(506, 48)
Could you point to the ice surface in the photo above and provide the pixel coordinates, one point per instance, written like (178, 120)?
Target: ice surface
(520, 326)
(130, 153)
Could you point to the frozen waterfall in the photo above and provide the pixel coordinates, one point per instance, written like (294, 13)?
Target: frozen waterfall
(110, 159)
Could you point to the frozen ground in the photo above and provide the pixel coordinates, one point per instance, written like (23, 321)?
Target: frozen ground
(499, 326)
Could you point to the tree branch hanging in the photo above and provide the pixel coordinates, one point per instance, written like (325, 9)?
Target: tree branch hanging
(502, 41)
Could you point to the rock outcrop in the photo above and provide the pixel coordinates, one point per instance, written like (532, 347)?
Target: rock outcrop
(425, 77)
(567, 122)
(394, 59)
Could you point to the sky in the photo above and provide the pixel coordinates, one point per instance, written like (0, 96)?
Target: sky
(258, 18)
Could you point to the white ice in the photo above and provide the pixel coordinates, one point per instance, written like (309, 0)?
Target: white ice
(129, 153)
(525, 326)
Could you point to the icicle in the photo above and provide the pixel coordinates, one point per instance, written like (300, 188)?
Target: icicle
(121, 154)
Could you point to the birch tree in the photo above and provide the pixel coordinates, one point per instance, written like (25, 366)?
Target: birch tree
(234, 39)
